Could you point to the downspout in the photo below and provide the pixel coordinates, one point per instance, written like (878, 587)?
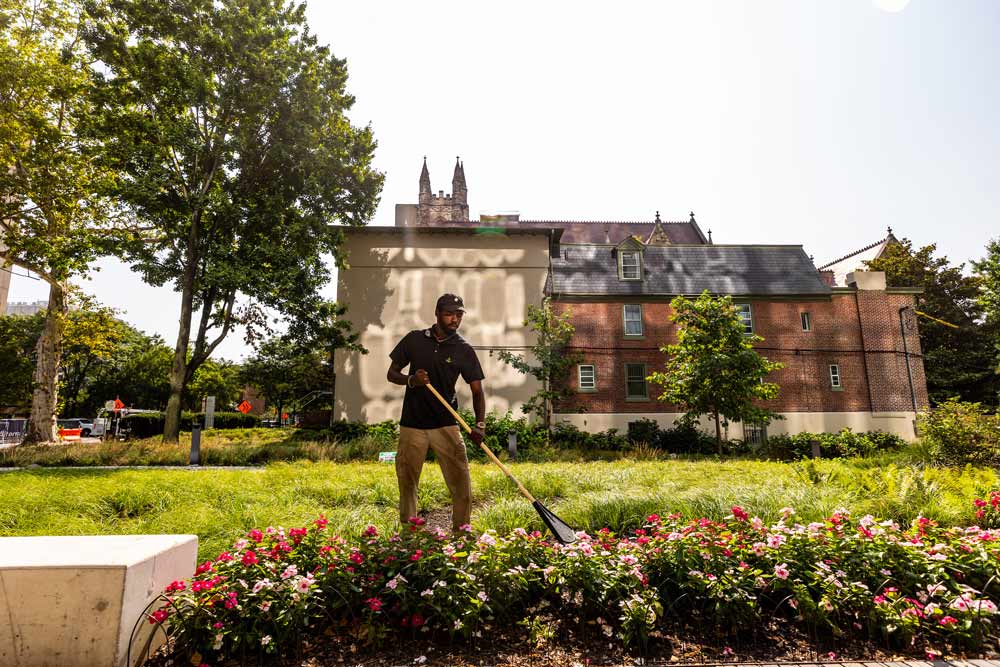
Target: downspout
(906, 358)
(864, 353)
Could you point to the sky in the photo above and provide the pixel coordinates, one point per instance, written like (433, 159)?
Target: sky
(796, 122)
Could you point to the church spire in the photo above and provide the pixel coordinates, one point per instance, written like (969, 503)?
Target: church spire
(459, 191)
(425, 184)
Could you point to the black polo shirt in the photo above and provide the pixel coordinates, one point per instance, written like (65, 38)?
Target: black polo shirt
(444, 361)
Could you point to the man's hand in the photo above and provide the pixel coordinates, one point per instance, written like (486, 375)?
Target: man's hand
(419, 378)
(477, 436)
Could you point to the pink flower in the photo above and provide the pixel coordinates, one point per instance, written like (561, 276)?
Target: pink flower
(223, 557)
(416, 521)
(175, 586)
(781, 571)
(356, 558)
(653, 518)
(218, 626)
(204, 567)
(321, 522)
(256, 535)
(374, 604)
(371, 531)
(739, 514)
(948, 620)
(249, 558)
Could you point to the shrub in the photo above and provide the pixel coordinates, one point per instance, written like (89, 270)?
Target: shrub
(846, 443)
(959, 432)
(149, 424)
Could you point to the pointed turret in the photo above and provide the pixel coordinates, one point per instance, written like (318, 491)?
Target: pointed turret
(459, 192)
(425, 184)
(659, 235)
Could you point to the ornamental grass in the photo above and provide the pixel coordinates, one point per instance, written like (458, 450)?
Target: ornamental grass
(921, 587)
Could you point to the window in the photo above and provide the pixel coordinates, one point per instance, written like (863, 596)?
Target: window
(635, 382)
(743, 310)
(754, 435)
(587, 377)
(630, 264)
(633, 319)
(806, 321)
(835, 376)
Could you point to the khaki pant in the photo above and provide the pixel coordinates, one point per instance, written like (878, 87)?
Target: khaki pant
(450, 451)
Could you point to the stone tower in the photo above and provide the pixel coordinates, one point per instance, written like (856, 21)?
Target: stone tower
(443, 208)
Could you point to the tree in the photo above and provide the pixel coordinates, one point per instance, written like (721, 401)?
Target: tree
(987, 270)
(957, 362)
(92, 336)
(18, 340)
(221, 379)
(552, 360)
(713, 368)
(51, 220)
(282, 371)
(229, 121)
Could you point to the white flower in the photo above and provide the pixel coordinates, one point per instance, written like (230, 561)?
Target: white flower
(240, 545)
(487, 540)
(218, 643)
(458, 624)
(263, 583)
(482, 596)
(427, 593)
(290, 571)
(264, 606)
(420, 659)
(303, 584)
(265, 640)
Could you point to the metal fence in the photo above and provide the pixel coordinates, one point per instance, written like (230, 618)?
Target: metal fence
(12, 431)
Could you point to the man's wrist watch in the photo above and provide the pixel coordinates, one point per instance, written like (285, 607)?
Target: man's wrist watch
(408, 384)
(481, 426)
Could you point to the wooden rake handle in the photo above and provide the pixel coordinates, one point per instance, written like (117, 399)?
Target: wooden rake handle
(489, 452)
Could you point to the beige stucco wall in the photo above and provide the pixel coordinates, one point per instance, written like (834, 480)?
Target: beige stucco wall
(391, 287)
(899, 423)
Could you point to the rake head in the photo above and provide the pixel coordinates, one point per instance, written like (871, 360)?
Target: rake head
(559, 528)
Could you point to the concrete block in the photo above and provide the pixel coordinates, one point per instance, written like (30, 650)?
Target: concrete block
(74, 601)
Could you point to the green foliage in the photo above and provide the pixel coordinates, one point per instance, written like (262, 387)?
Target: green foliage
(713, 368)
(146, 425)
(959, 432)
(283, 371)
(568, 436)
(958, 362)
(684, 438)
(987, 271)
(18, 336)
(845, 443)
(222, 379)
(549, 362)
(530, 436)
(230, 124)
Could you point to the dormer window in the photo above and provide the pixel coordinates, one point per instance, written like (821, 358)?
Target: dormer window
(630, 264)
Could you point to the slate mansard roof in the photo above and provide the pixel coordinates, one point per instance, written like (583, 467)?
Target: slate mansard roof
(745, 270)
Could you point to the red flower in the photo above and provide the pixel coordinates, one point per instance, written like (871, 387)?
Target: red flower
(356, 558)
(948, 620)
(223, 557)
(417, 620)
(250, 558)
(417, 521)
(256, 535)
(416, 555)
(175, 586)
(374, 604)
(653, 518)
(159, 616)
(321, 522)
(739, 514)
(217, 625)
(371, 531)
(204, 567)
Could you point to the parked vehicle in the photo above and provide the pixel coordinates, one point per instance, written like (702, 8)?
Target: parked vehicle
(107, 421)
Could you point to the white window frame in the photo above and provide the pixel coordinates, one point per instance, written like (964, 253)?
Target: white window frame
(806, 320)
(645, 384)
(835, 380)
(638, 264)
(592, 386)
(741, 308)
(625, 320)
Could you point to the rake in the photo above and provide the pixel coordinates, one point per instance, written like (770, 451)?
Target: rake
(559, 528)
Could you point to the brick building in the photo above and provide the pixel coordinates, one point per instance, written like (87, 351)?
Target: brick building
(850, 350)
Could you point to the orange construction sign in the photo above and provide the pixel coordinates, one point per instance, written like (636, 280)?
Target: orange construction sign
(119, 405)
(244, 407)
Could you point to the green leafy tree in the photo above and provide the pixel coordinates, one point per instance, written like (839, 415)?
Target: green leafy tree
(138, 373)
(713, 368)
(957, 361)
(18, 339)
(987, 270)
(283, 372)
(221, 379)
(229, 121)
(550, 360)
(51, 220)
(93, 335)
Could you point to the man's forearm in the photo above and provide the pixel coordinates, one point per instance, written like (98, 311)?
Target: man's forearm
(479, 405)
(397, 377)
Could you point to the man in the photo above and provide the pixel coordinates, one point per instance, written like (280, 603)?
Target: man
(437, 356)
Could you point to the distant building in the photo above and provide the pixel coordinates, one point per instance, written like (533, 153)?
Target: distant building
(25, 309)
(849, 343)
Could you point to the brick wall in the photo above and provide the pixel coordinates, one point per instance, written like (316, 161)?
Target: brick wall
(866, 350)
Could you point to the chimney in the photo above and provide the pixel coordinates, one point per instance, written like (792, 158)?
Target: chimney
(826, 275)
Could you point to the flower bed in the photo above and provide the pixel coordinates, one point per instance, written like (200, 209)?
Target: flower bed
(924, 587)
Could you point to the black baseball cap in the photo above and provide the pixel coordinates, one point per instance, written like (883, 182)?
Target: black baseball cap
(450, 302)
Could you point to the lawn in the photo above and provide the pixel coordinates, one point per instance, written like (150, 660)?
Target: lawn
(221, 505)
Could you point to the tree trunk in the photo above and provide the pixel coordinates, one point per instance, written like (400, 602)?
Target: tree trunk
(48, 352)
(718, 432)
